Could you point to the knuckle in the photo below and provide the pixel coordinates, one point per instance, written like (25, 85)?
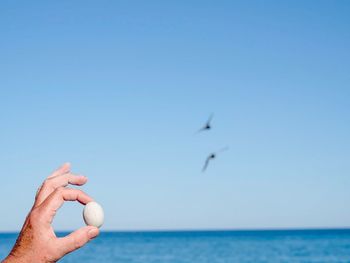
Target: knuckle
(78, 243)
(38, 191)
(65, 179)
(79, 191)
(60, 190)
(35, 216)
(75, 191)
(46, 183)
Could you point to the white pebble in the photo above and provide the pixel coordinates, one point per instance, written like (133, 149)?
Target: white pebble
(93, 214)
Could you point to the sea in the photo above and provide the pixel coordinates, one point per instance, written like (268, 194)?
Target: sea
(323, 245)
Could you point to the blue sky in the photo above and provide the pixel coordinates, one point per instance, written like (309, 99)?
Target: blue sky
(118, 88)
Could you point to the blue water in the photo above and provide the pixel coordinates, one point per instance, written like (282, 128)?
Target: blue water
(210, 246)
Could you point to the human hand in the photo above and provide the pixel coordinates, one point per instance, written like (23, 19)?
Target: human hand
(37, 241)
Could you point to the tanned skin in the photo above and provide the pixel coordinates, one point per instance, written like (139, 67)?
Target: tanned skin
(37, 241)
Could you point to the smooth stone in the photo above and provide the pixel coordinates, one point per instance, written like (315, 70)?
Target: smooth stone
(93, 214)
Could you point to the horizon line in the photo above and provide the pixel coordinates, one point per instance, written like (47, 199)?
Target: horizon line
(206, 230)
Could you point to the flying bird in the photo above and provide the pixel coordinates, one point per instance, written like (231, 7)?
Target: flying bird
(207, 125)
(212, 156)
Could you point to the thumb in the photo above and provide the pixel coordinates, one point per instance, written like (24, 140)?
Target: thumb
(78, 238)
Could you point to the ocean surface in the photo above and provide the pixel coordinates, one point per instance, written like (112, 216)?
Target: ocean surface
(209, 246)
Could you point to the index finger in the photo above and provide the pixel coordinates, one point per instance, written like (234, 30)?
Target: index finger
(52, 183)
(56, 199)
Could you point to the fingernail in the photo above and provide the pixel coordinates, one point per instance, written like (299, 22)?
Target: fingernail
(93, 233)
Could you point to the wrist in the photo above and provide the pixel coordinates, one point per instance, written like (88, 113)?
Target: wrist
(22, 258)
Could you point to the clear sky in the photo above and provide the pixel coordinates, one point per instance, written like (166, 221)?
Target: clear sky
(118, 89)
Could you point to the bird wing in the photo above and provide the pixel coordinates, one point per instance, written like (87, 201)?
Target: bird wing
(206, 124)
(200, 130)
(206, 164)
(210, 118)
(222, 149)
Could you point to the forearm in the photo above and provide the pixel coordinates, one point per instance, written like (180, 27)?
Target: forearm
(14, 257)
